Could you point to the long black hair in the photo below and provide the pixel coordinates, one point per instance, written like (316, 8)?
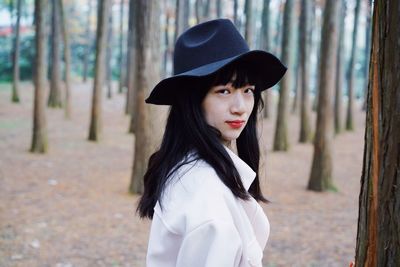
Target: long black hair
(187, 131)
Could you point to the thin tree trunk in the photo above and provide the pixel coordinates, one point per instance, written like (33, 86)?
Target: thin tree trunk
(100, 68)
(39, 137)
(167, 42)
(235, 13)
(121, 60)
(349, 117)
(206, 10)
(340, 72)
(278, 27)
(321, 170)
(88, 42)
(15, 86)
(55, 90)
(181, 17)
(305, 42)
(367, 53)
(265, 45)
(281, 142)
(198, 12)
(130, 60)
(109, 56)
(219, 8)
(317, 19)
(148, 55)
(378, 238)
(67, 58)
(248, 32)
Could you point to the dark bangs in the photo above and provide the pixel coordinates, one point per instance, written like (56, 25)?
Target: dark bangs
(240, 74)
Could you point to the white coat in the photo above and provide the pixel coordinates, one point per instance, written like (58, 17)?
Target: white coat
(202, 224)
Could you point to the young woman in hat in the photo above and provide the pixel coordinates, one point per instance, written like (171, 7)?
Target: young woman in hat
(201, 196)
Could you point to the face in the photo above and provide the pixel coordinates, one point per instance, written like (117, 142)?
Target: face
(228, 109)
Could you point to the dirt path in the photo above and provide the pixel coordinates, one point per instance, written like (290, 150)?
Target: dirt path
(70, 207)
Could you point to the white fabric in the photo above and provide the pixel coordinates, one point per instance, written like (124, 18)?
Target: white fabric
(202, 224)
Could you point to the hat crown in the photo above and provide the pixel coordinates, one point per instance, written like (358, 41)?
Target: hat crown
(206, 43)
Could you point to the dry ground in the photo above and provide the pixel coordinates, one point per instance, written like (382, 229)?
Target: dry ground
(70, 207)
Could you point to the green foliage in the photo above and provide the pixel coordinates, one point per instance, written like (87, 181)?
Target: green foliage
(26, 58)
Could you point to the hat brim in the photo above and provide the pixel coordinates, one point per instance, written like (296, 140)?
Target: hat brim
(268, 68)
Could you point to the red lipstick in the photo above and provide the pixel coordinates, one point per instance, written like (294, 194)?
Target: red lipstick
(235, 124)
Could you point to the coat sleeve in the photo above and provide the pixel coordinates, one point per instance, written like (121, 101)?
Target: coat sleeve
(214, 243)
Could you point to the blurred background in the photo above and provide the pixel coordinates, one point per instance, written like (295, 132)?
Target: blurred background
(73, 138)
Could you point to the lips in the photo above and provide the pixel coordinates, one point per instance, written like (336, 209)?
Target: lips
(235, 124)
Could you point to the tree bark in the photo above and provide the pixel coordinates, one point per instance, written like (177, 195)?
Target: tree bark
(54, 100)
(339, 72)
(235, 13)
(265, 45)
(378, 239)
(305, 42)
(100, 68)
(281, 142)
(39, 137)
(248, 30)
(181, 17)
(16, 52)
(219, 8)
(132, 89)
(130, 60)
(278, 27)
(147, 56)
(121, 59)
(349, 117)
(321, 170)
(367, 53)
(67, 58)
(88, 42)
(109, 64)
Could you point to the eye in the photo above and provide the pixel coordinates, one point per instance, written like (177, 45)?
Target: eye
(249, 90)
(223, 91)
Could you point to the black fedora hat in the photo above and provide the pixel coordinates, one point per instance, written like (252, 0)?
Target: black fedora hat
(206, 48)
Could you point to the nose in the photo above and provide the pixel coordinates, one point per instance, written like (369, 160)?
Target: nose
(238, 105)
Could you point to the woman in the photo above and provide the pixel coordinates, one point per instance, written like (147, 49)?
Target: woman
(201, 196)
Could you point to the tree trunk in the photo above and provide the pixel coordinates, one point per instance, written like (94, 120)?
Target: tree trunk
(265, 45)
(109, 56)
(130, 65)
(378, 239)
(39, 137)
(15, 86)
(121, 59)
(339, 72)
(367, 53)
(321, 170)
(100, 68)
(147, 56)
(55, 90)
(168, 49)
(248, 31)
(349, 118)
(181, 17)
(206, 10)
(88, 42)
(67, 58)
(317, 19)
(235, 13)
(278, 27)
(198, 12)
(219, 8)
(305, 43)
(281, 142)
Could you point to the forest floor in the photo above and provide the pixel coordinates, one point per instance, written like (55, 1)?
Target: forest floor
(71, 207)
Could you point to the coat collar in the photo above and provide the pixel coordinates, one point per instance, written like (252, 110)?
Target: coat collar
(246, 173)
